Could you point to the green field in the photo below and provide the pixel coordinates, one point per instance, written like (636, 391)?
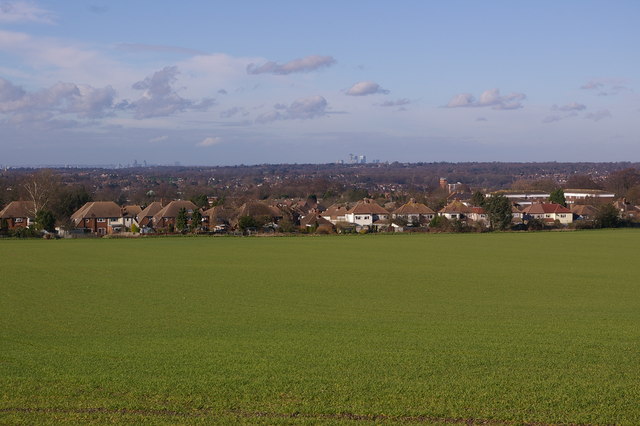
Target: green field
(504, 328)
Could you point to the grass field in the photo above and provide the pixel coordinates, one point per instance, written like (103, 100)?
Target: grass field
(504, 328)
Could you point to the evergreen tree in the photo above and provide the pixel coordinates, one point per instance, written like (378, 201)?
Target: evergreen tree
(557, 197)
(45, 220)
(478, 199)
(498, 209)
(196, 220)
(181, 220)
(607, 217)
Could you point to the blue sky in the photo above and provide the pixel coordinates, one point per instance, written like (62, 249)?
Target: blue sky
(217, 83)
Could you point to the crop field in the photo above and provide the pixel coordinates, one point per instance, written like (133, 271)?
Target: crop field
(464, 328)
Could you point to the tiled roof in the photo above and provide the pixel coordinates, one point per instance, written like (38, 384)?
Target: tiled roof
(543, 208)
(150, 210)
(335, 210)
(256, 208)
(413, 208)
(172, 209)
(314, 220)
(17, 209)
(455, 207)
(367, 206)
(97, 209)
(219, 214)
(584, 210)
(131, 211)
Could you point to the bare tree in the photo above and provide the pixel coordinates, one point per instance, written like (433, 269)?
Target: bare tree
(40, 188)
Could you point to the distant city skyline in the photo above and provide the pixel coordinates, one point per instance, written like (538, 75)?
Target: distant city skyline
(208, 83)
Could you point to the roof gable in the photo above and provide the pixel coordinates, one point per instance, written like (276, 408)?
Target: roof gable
(18, 209)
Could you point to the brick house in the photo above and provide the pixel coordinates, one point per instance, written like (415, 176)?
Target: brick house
(98, 217)
(166, 217)
(18, 214)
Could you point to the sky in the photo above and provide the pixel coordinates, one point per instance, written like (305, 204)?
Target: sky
(252, 82)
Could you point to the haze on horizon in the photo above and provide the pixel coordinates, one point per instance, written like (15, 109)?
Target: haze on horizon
(209, 83)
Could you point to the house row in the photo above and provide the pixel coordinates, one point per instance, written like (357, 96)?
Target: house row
(106, 217)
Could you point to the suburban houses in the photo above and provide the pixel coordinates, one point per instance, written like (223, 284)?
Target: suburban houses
(100, 218)
(329, 208)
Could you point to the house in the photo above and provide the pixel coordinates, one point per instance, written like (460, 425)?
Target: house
(548, 212)
(166, 217)
(259, 210)
(478, 214)
(583, 211)
(455, 210)
(336, 213)
(18, 214)
(218, 218)
(145, 217)
(368, 214)
(315, 220)
(98, 217)
(627, 210)
(130, 216)
(414, 213)
(516, 214)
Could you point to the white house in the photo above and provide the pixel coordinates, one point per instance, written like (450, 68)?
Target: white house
(548, 212)
(367, 213)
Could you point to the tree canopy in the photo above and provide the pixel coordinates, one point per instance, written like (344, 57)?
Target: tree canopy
(498, 209)
(557, 197)
(181, 219)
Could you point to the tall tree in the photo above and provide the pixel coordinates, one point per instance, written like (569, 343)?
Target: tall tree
(607, 217)
(181, 219)
(45, 220)
(40, 188)
(622, 180)
(557, 197)
(196, 220)
(498, 209)
(478, 199)
(200, 200)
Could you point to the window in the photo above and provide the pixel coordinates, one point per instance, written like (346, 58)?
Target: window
(101, 220)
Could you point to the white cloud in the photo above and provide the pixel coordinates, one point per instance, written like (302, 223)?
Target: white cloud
(364, 88)
(209, 141)
(598, 115)
(306, 64)
(160, 99)
(47, 60)
(62, 98)
(159, 139)
(488, 98)
(606, 86)
(592, 85)
(23, 11)
(461, 100)
(571, 106)
(300, 109)
(399, 102)
(231, 112)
